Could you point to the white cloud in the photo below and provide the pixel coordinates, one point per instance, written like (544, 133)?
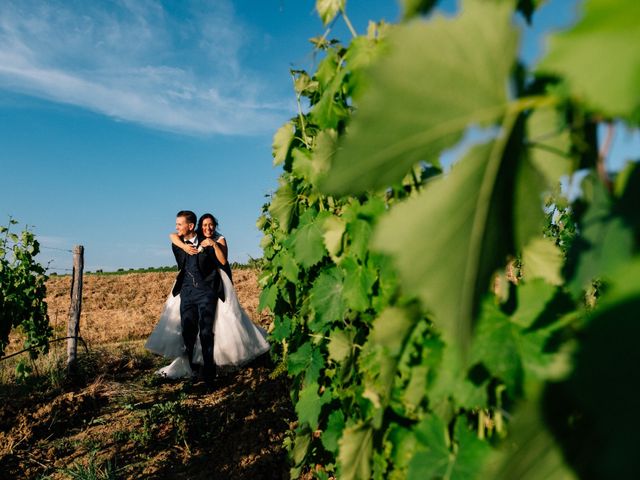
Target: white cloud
(139, 62)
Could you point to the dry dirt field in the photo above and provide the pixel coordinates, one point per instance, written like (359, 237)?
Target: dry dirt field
(117, 420)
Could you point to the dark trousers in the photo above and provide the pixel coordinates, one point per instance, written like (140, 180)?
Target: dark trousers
(197, 313)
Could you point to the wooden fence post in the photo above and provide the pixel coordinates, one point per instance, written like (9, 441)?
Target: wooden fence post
(73, 327)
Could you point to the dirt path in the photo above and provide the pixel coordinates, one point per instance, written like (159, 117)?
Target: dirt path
(117, 420)
(121, 421)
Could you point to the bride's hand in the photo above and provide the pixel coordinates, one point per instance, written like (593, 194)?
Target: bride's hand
(207, 242)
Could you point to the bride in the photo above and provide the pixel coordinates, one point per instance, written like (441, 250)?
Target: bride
(237, 340)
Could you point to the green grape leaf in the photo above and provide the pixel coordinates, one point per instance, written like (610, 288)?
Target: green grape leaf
(300, 448)
(326, 299)
(328, 9)
(298, 361)
(314, 366)
(326, 143)
(514, 354)
(399, 122)
(290, 268)
(598, 57)
(466, 214)
(331, 435)
(356, 449)
(334, 228)
(472, 452)
(496, 346)
(302, 165)
(362, 52)
(431, 457)
(268, 297)
(416, 389)
(448, 380)
(390, 329)
(541, 258)
(329, 112)
(533, 297)
(378, 361)
(340, 344)
(550, 144)
(310, 405)
(282, 142)
(358, 283)
(434, 459)
(359, 233)
(307, 240)
(282, 328)
(282, 205)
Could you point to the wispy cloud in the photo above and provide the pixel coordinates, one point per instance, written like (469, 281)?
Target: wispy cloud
(176, 69)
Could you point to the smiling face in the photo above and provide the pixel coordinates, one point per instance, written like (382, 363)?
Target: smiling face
(208, 227)
(183, 228)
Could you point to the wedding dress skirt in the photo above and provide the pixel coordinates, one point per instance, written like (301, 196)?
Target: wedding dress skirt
(237, 340)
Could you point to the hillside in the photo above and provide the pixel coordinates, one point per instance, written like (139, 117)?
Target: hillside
(116, 419)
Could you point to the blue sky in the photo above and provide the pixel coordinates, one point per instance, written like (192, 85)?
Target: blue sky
(116, 114)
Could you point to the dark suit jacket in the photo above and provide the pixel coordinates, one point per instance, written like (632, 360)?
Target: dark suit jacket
(208, 265)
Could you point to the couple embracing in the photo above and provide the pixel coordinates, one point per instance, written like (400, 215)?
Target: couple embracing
(202, 322)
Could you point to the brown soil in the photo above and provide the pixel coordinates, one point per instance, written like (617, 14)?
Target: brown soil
(116, 419)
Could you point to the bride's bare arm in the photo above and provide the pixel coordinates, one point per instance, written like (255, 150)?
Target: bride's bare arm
(219, 246)
(175, 239)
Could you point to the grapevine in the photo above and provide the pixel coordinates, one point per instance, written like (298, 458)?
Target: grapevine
(414, 350)
(22, 291)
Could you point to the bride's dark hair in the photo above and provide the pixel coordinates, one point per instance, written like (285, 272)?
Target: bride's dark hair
(213, 219)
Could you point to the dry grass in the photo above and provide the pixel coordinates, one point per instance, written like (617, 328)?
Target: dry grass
(118, 308)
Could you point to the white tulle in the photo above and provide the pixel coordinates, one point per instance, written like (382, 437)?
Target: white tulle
(237, 340)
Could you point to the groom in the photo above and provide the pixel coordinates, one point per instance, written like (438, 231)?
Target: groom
(199, 286)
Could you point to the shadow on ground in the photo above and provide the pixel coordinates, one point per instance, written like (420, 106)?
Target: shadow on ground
(117, 420)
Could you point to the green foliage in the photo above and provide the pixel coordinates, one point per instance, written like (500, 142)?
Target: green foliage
(603, 34)
(455, 325)
(22, 292)
(93, 470)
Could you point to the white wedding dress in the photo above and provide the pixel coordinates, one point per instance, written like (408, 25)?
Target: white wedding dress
(237, 340)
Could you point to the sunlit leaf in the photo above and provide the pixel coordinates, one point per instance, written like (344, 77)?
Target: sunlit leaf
(438, 79)
(465, 214)
(541, 258)
(334, 228)
(282, 205)
(340, 344)
(354, 458)
(326, 298)
(328, 9)
(282, 142)
(599, 57)
(307, 240)
(550, 145)
(358, 282)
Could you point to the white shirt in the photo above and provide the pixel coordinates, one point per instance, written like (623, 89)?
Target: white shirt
(193, 240)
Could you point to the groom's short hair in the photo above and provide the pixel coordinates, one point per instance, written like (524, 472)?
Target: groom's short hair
(188, 215)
